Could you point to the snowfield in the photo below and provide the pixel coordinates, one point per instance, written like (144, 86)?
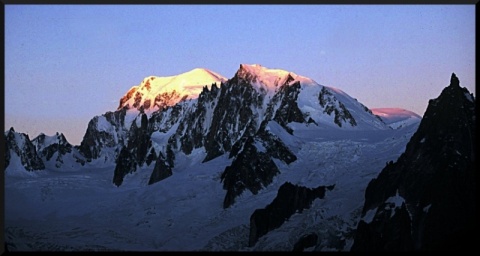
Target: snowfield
(174, 88)
(396, 117)
(82, 210)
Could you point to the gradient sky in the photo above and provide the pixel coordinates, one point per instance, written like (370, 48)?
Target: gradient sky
(65, 64)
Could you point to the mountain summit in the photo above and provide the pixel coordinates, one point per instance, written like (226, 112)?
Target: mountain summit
(159, 92)
(245, 117)
(268, 80)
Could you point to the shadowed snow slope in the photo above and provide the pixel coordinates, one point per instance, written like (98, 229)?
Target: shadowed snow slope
(83, 210)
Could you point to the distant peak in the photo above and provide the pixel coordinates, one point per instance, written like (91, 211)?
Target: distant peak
(454, 80)
(202, 71)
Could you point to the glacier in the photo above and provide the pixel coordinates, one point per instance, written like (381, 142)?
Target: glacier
(82, 210)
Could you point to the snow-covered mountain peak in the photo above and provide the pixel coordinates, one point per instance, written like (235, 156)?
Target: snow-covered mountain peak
(46, 140)
(154, 92)
(394, 112)
(191, 82)
(201, 75)
(397, 117)
(261, 72)
(18, 138)
(20, 153)
(269, 79)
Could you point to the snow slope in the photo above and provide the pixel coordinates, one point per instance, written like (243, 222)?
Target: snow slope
(83, 210)
(397, 117)
(268, 81)
(169, 90)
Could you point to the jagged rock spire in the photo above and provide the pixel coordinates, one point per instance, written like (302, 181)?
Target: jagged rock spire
(454, 80)
(435, 178)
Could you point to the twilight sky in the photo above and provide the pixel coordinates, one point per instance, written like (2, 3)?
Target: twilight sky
(65, 64)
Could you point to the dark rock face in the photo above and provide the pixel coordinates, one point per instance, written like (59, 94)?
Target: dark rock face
(127, 96)
(163, 120)
(395, 235)
(231, 116)
(20, 144)
(224, 117)
(139, 140)
(125, 164)
(7, 153)
(138, 98)
(161, 171)
(288, 110)
(290, 199)
(275, 147)
(218, 118)
(139, 148)
(253, 167)
(193, 130)
(136, 147)
(305, 242)
(436, 178)
(137, 152)
(250, 170)
(59, 146)
(98, 139)
(329, 102)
